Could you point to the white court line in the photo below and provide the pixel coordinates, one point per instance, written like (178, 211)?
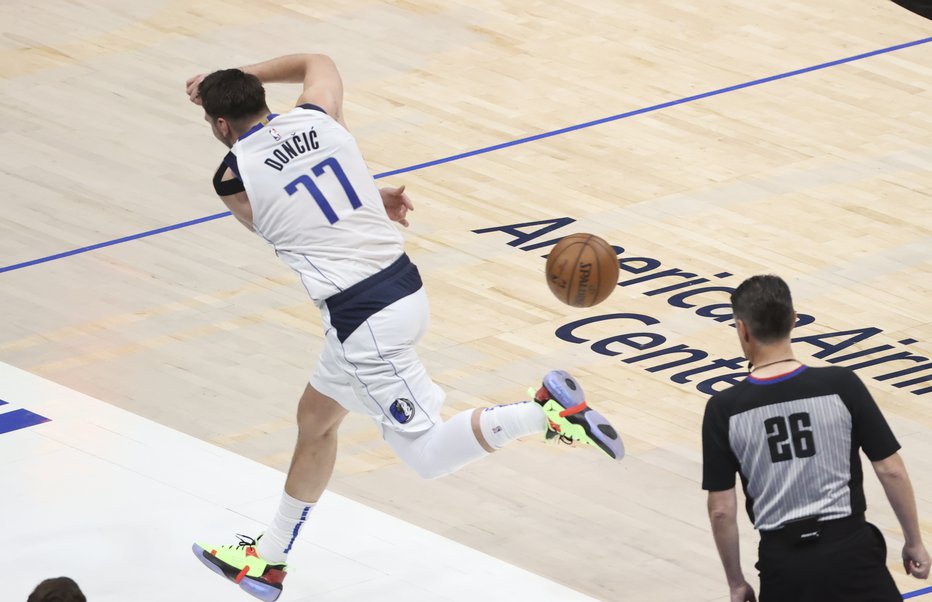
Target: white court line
(115, 501)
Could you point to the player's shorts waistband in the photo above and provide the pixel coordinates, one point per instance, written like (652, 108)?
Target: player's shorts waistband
(350, 308)
(812, 529)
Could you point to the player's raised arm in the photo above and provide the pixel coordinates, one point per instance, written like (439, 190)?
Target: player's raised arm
(322, 84)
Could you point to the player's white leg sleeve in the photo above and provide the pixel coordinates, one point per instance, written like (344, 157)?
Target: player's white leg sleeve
(440, 450)
(503, 424)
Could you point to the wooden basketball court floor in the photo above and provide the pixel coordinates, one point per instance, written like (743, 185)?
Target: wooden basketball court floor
(723, 139)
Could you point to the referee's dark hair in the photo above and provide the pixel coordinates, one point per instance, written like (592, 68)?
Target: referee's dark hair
(232, 94)
(764, 304)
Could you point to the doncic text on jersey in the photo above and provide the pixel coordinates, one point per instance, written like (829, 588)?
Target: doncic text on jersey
(296, 144)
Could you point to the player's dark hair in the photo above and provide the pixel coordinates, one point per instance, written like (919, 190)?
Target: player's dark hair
(765, 305)
(232, 94)
(59, 589)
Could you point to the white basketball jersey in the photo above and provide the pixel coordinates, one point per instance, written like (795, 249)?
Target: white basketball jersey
(314, 200)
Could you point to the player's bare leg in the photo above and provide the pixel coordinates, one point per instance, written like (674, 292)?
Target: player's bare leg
(319, 418)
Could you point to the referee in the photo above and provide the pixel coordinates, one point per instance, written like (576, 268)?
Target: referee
(794, 433)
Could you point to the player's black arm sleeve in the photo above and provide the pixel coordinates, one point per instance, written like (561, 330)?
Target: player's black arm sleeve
(226, 187)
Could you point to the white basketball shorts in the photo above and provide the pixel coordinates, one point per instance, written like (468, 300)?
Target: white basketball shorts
(369, 363)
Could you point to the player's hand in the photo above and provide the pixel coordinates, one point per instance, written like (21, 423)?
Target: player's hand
(397, 204)
(192, 88)
(743, 593)
(916, 561)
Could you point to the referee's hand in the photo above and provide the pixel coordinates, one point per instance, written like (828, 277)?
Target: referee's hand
(916, 561)
(743, 593)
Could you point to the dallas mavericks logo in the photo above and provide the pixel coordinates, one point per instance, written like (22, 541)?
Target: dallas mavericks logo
(402, 410)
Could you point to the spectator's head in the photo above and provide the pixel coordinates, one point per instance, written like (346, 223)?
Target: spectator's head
(59, 589)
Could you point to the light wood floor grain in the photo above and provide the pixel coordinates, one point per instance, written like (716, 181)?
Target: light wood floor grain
(824, 178)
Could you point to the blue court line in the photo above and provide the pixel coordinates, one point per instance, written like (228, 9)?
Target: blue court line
(658, 107)
(495, 147)
(917, 593)
(116, 241)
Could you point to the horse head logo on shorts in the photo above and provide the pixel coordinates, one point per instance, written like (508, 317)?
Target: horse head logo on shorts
(402, 410)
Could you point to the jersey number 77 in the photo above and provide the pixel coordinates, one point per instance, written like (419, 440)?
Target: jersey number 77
(311, 186)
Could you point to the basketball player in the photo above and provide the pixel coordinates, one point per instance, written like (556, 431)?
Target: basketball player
(794, 433)
(298, 180)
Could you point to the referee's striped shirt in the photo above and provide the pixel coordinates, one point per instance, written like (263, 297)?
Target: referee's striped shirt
(794, 439)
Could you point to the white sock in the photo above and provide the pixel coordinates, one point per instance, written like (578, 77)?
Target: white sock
(281, 534)
(501, 425)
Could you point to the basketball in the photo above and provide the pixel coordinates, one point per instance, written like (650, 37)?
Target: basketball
(582, 270)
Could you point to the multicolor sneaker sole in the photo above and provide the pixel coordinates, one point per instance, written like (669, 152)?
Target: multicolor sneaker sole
(267, 588)
(570, 417)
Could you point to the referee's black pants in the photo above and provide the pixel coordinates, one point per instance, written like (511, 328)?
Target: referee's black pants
(847, 563)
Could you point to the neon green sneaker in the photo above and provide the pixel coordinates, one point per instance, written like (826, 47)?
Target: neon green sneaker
(571, 419)
(242, 565)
